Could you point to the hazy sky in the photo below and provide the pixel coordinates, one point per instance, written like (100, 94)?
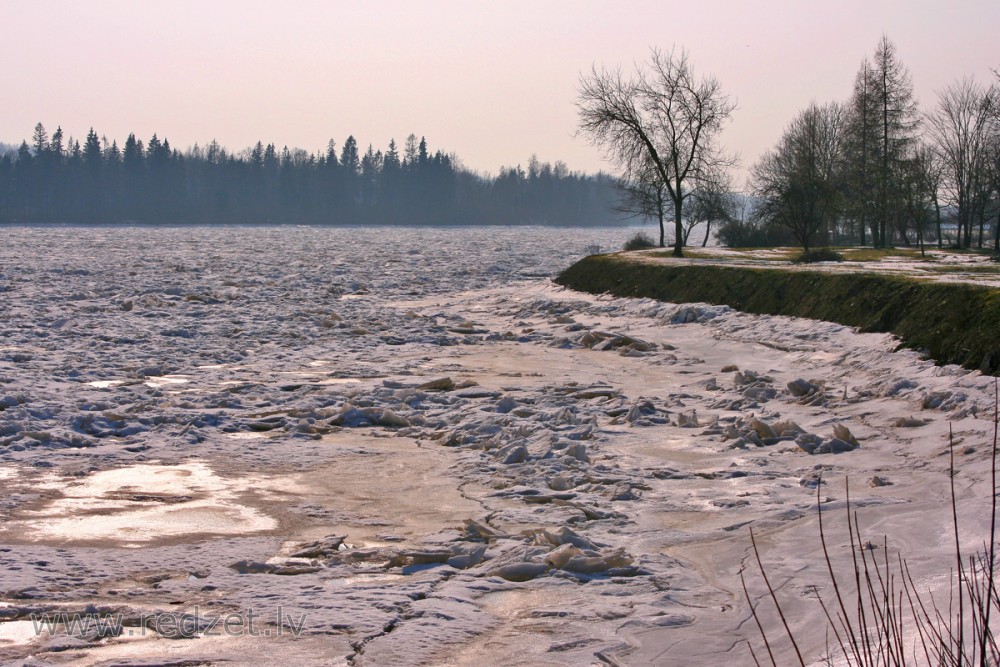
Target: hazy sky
(493, 82)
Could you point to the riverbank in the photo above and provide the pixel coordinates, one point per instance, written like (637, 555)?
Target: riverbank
(950, 321)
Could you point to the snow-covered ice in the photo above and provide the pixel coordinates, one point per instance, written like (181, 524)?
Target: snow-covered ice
(407, 446)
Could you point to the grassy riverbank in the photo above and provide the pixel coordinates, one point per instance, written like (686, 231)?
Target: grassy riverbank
(952, 322)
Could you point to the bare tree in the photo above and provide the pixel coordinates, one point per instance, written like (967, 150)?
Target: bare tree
(796, 181)
(933, 172)
(662, 117)
(645, 194)
(960, 129)
(991, 187)
(993, 170)
(920, 179)
(714, 203)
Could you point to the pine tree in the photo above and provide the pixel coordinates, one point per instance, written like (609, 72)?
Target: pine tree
(214, 153)
(390, 161)
(40, 140)
(92, 154)
(897, 122)
(132, 155)
(113, 154)
(331, 154)
(860, 153)
(349, 158)
(24, 154)
(257, 156)
(153, 147)
(271, 158)
(422, 152)
(56, 145)
(410, 151)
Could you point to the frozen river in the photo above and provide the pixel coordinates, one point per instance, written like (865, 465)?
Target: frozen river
(407, 446)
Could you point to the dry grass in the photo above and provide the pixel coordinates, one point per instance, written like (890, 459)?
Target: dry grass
(742, 254)
(878, 615)
(984, 269)
(877, 254)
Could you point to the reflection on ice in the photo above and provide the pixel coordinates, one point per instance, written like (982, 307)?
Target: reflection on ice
(142, 503)
(157, 381)
(105, 384)
(367, 578)
(17, 632)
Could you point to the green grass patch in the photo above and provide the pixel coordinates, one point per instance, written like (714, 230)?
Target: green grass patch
(875, 254)
(964, 268)
(770, 254)
(952, 322)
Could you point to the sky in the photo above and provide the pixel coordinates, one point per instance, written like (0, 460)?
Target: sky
(493, 82)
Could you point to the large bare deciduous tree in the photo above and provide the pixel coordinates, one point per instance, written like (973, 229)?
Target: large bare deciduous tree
(714, 203)
(797, 180)
(660, 126)
(960, 129)
(919, 183)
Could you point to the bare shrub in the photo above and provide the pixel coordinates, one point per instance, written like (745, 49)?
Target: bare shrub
(879, 617)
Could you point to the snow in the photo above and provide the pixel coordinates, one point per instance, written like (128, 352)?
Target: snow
(487, 469)
(939, 265)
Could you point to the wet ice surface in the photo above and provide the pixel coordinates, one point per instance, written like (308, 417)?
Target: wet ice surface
(141, 503)
(413, 444)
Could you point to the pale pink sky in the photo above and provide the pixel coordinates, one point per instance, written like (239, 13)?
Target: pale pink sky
(493, 82)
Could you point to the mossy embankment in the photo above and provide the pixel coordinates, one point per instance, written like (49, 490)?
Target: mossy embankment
(953, 322)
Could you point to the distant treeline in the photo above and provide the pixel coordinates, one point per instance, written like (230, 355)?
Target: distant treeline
(53, 179)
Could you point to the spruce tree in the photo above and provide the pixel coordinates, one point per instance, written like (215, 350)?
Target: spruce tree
(897, 123)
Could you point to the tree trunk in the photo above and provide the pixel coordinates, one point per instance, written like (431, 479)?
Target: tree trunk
(708, 231)
(659, 212)
(937, 211)
(678, 228)
(960, 221)
(996, 234)
(883, 203)
(982, 225)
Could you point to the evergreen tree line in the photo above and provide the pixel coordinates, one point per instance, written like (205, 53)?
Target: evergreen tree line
(54, 179)
(875, 169)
